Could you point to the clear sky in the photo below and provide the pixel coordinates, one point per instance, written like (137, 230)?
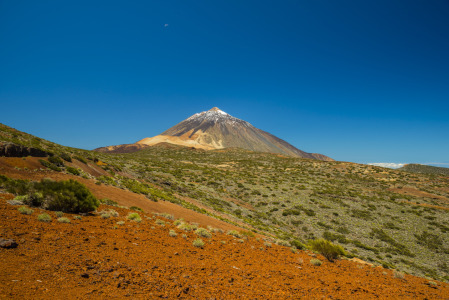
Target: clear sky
(361, 81)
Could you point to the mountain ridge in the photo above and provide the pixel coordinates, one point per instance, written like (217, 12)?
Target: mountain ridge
(216, 129)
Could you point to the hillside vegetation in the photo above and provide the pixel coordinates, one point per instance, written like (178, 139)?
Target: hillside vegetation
(417, 168)
(387, 217)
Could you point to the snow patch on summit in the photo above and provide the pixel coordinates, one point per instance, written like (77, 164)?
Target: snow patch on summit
(217, 115)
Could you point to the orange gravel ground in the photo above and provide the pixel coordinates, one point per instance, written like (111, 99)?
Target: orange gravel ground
(94, 258)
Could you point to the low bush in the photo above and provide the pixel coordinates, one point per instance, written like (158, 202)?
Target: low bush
(178, 222)
(316, 262)
(44, 218)
(326, 248)
(298, 245)
(63, 220)
(159, 222)
(107, 201)
(57, 161)
(247, 233)
(203, 232)
(198, 243)
(172, 233)
(67, 196)
(134, 217)
(235, 233)
(66, 157)
(49, 165)
(25, 210)
(136, 208)
(73, 171)
(185, 227)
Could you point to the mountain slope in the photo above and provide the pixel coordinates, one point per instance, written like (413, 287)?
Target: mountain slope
(215, 129)
(417, 168)
(387, 217)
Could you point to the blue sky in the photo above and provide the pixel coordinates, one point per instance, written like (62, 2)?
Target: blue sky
(361, 81)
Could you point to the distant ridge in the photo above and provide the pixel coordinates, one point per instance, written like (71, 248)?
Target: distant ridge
(215, 129)
(424, 169)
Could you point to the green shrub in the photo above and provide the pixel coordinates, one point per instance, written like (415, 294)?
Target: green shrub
(198, 243)
(172, 233)
(79, 158)
(105, 215)
(49, 165)
(326, 248)
(235, 233)
(107, 201)
(67, 196)
(44, 218)
(185, 227)
(33, 199)
(316, 262)
(22, 198)
(25, 210)
(247, 233)
(136, 208)
(56, 161)
(178, 222)
(59, 214)
(63, 220)
(159, 222)
(335, 236)
(167, 216)
(120, 222)
(73, 171)
(134, 217)
(77, 217)
(66, 157)
(297, 244)
(282, 243)
(203, 232)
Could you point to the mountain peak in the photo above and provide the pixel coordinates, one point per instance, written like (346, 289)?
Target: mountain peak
(215, 129)
(216, 110)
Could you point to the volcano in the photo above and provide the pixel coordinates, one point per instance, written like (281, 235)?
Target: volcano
(215, 129)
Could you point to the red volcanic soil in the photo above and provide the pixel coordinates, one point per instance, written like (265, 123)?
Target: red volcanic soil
(96, 258)
(15, 168)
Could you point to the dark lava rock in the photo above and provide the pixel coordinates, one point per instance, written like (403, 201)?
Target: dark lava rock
(8, 244)
(13, 150)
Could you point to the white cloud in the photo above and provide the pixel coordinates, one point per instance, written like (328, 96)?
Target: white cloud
(165, 25)
(387, 165)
